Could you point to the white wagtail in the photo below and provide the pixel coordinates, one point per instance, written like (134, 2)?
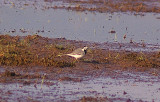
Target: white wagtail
(78, 53)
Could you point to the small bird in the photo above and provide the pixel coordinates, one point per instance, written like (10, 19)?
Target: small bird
(78, 53)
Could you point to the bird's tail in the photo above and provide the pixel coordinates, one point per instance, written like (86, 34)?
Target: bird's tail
(60, 55)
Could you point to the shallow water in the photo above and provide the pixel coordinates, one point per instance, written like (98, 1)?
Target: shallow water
(74, 25)
(138, 87)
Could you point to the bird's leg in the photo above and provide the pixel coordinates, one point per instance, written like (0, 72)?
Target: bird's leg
(77, 60)
(74, 60)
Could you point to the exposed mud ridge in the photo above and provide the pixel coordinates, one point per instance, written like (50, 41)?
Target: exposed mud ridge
(35, 61)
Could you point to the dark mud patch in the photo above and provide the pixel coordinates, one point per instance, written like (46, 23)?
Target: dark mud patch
(36, 65)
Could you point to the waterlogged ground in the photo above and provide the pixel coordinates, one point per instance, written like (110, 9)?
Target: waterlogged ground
(132, 87)
(122, 63)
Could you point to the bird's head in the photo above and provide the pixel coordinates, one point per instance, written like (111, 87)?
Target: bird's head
(85, 49)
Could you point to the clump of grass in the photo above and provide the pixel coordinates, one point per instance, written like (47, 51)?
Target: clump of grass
(56, 63)
(64, 64)
(139, 59)
(29, 51)
(60, 47)
(126, 59)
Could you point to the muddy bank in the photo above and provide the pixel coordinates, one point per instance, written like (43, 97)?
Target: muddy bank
(36, 50)
(35, 64)
(36, 53)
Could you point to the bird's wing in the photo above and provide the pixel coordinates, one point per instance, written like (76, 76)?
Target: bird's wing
(77, 52)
